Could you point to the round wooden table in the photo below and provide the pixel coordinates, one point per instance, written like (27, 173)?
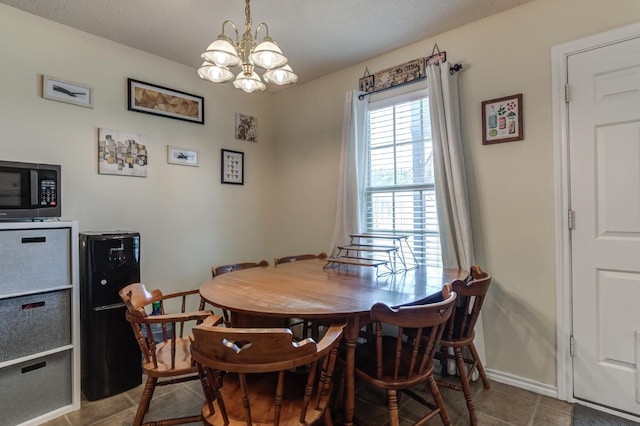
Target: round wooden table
(303, 289)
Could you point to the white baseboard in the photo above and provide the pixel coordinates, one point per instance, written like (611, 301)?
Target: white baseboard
(522, 383)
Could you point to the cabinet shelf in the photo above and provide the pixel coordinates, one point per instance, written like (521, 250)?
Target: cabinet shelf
(44, 290)
(31, 357)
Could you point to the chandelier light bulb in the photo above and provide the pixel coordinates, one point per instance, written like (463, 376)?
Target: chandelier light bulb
(222, 53)
(268, 55)
(249, 82)
(214, 73)
(280, 76)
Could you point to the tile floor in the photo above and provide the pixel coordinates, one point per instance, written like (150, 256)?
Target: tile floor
(500, 405)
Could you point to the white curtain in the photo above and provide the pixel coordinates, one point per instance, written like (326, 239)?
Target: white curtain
(456, 238)
(348, 216)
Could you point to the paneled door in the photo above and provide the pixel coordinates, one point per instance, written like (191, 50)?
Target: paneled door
(604, 150)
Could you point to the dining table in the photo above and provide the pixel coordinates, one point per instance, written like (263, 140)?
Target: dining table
(311, 289)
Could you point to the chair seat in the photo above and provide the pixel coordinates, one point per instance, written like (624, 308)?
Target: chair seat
(458, 342)
(366, 364)
(183, 363)
(262, 400)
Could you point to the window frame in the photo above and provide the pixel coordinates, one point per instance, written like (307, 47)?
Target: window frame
(428, 238)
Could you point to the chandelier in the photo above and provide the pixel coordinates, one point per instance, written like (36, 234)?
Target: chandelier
(247, 53)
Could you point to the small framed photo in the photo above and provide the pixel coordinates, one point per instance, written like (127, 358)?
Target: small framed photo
(57, 89)
(366, 84)
(436, 58)
(232, 167)
(182, 156)
(157, 100)
(502, 120)
(246, 127)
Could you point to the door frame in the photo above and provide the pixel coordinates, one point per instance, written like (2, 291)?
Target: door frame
(560, 109)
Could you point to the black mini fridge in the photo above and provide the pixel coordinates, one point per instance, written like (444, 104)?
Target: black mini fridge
(111, 359)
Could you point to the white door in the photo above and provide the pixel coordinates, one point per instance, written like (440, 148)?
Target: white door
(604, 150)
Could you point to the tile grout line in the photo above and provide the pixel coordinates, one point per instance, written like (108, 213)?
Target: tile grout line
(193, 391)
(133, 408)
(535, 410)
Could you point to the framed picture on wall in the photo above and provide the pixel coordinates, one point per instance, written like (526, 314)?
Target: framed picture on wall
(122, 153)
(246, 127)
(157, 100)
(182, 156)
(502, 120)
(60, 90)
(365, 84)
(232, 170)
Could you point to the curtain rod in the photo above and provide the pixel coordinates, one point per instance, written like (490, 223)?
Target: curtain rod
(455, 68)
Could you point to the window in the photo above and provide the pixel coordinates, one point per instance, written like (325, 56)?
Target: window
(399, 185)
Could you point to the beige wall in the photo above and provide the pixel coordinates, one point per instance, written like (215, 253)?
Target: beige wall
(511, 184)
(189, 221)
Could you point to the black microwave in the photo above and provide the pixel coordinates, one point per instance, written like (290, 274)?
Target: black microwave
(29, 190)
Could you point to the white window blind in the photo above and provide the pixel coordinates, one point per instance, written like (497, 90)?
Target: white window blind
(400, 189)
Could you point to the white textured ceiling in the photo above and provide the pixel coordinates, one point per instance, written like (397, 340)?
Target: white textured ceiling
(318, 36)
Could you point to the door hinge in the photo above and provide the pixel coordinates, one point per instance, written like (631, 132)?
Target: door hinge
(571, 345)
(567, 93)
(571, 219)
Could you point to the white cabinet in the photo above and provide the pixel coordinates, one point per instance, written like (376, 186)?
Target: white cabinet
(39, 312)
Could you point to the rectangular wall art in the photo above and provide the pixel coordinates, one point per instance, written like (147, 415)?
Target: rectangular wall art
(232, 167)
(246, 127)
(122, 153)
(157, 100)
(399, 74)
(60, 90)
(502, 120)
(182, 156)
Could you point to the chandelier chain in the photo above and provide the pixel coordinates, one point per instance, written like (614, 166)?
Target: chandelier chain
(247, 13)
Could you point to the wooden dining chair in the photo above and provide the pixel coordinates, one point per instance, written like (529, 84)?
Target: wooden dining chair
(218, 270)
(394, 363)
(459, 334)
(269, 378)
(309, 328)
(166, 357)
(223, 269)
(296, 257)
